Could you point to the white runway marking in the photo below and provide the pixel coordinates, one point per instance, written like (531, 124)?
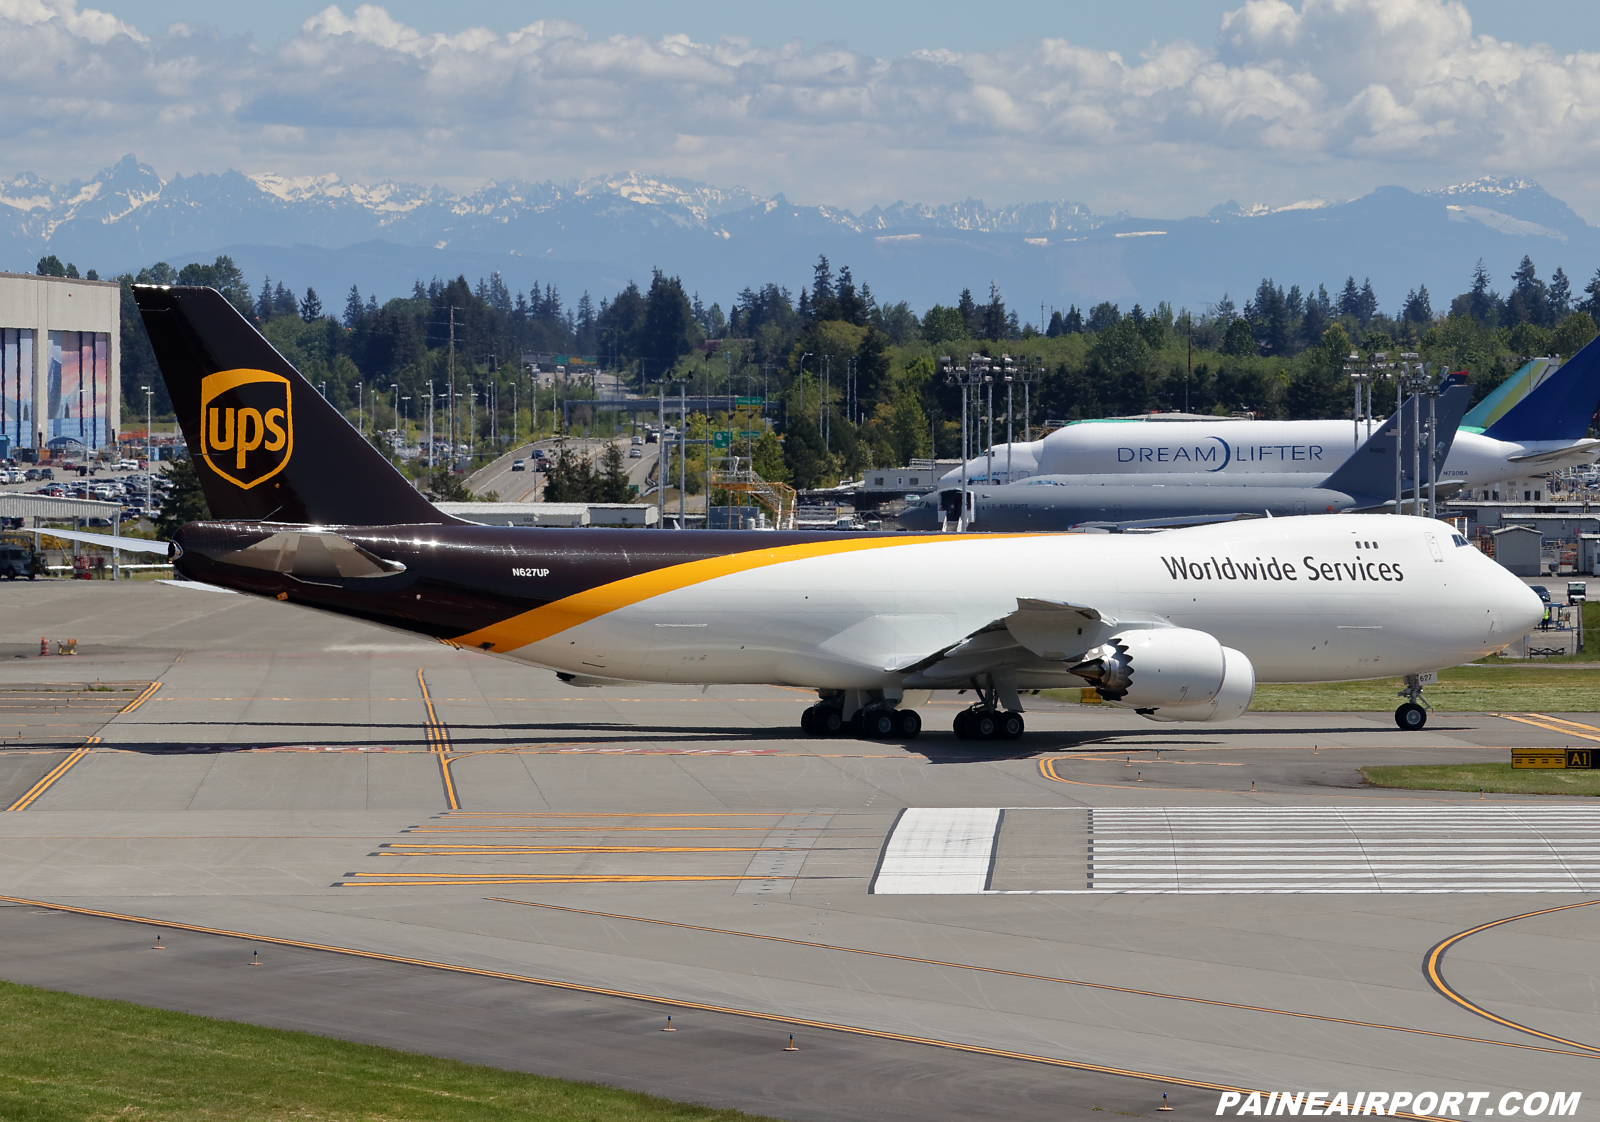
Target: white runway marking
(938, 850)
(1268, 850)
(1345, 849)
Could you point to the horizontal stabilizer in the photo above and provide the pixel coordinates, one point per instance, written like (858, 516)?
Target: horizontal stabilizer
(111, 541)
(1370, 470)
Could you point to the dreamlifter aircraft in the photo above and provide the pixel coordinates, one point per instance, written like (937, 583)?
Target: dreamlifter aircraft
(1177, 626)
(1503, 438)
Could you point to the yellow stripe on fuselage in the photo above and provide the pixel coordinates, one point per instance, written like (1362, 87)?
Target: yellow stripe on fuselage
(559, 615)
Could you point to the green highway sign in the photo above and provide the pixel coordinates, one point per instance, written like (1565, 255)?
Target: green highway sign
(750, 435)
(747, 401)
(722, 438)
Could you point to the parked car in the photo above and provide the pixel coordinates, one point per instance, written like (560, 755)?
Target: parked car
(47, 473)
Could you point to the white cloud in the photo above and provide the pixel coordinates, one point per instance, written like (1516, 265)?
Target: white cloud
(1335, 96)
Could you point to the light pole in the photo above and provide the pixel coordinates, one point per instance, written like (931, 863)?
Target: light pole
(361, 411)
(395, 386)
(431, 396)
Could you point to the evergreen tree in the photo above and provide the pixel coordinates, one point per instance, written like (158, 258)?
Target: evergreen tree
(1102, 317)
(185, 501)
(611, 485)
(1056, 328)
(1529, 299)
(1560, 296)
(264, 301)
(1073, 323)
(664, 332)
(1350, 299)
(994, 314)
(1367, 303)
(50, 266)
(353, 308)
(967, 307)
(310, 307)
(1418, 309)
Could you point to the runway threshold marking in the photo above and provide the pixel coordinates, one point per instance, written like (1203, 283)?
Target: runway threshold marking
(149, 692)
(439, 744)
(1433, 968)
(1564, 727)
(1037, 977)
(52, 775)
(653, 999)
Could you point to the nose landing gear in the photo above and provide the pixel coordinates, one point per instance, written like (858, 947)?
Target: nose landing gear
(1412, 715)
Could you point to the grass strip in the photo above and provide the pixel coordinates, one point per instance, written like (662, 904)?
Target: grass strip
(1499, 779)
(65, 1058)
(1462, 689)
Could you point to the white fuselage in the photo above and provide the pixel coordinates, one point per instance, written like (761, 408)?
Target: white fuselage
(1315, 448)
(1306, 599)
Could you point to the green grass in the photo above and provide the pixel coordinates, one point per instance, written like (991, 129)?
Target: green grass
(1496, 778)
(65, 1058)
(1464, 689)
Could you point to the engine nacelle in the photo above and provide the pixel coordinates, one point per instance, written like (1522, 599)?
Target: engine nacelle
(1156, 667)
(1238, 687)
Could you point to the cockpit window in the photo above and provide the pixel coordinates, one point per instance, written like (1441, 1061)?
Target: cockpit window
(1459, 540)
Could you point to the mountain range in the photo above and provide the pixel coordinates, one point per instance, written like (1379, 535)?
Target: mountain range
(599, 233)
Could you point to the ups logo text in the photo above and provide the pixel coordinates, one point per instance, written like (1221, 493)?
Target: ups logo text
(246, 425)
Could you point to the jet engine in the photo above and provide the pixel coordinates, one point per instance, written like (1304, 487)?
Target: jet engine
(1238, 687)
(1152, 668)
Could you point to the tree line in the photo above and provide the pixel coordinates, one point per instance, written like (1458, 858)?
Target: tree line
(857, 382)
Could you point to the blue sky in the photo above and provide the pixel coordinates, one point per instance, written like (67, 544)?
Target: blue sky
(886, 30)
(1155, 107)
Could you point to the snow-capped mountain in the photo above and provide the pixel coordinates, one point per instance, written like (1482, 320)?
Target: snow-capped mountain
(599, 233)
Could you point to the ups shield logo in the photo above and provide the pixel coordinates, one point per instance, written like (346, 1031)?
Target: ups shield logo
(246, 425)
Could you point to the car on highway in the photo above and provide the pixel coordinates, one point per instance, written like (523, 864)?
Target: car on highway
(638, 440)
(635, 454)
(519, 465)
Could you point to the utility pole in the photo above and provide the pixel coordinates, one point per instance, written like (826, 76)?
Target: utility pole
(361, 412)
(683, 449)
(431, 396)
(661, 455)
(452, 460)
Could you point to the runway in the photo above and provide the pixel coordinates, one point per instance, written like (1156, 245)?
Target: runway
(438, 850)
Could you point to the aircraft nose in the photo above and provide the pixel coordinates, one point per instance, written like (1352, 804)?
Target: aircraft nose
(1521, 610)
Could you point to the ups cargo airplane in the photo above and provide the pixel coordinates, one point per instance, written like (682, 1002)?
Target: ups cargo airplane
(1177, 626)
(1506, 436)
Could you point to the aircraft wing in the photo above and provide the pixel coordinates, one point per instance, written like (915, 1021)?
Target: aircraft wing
(110, 541)
(1578, 452)
(1034, 646)
(1142, 524)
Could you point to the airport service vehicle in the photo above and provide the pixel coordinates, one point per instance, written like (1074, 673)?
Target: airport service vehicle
(1546, 428)
(1365, 481)
(1176, 626)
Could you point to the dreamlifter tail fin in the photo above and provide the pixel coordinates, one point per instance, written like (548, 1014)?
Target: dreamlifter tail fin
(1370, 469)
(266, 445)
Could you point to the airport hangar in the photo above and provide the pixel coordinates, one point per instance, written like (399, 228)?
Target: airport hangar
(60, 363)
(435, 850)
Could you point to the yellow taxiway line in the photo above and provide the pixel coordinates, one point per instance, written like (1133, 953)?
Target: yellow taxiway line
(149, 692)
(439, 745)
(708, 1007)
(1433, 967)
(1553, 724)
(52, 775)
(1038, 977)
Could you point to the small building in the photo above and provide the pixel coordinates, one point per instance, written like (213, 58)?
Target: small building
(1518, 549)
(553, 514)
(60, 364)
(1589, 554)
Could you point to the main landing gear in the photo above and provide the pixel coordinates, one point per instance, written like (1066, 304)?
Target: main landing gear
(1413, 714)
(826, 718)
(986, 721)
